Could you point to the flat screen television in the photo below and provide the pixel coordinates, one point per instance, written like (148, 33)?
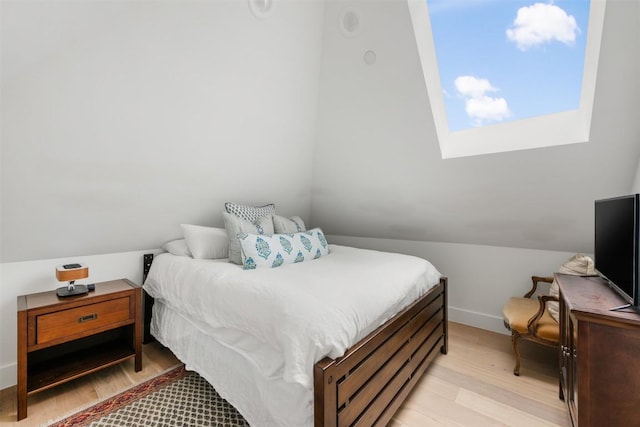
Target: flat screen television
(616, 252)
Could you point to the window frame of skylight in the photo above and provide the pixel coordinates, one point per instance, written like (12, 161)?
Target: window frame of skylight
(567, 127)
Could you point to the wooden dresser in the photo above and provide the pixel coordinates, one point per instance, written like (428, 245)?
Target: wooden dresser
(599, 354)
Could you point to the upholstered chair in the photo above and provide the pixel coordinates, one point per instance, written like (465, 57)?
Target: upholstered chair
(529, 318)
(536, 319)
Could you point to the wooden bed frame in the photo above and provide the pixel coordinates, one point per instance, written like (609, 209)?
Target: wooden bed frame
(367, 385)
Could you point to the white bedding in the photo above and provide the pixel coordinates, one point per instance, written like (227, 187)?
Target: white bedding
(263, 402)
(286, 319)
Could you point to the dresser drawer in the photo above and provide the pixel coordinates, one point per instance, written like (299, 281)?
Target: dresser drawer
(74, 321)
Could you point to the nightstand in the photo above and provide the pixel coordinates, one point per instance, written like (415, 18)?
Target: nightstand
(60, 339)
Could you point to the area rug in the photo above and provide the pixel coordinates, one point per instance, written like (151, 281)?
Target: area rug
(176, 398)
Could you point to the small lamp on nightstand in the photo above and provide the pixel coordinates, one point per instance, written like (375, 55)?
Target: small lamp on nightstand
(70, 273)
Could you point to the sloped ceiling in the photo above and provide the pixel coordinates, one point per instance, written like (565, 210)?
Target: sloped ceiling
(378, 170)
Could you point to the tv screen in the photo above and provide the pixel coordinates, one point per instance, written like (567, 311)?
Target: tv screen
(616, 244)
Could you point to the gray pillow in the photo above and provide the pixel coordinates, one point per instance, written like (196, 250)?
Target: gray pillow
(250, 213)
(282, 225)
(235, 225)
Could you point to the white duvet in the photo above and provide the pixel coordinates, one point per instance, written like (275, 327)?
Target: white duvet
(286, 319)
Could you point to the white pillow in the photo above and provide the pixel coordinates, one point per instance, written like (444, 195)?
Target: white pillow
(177, 247)
(236, 225)
(278, 249)
(206, 242)
(282, 225)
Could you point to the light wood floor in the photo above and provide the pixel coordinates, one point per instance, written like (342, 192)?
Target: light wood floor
(473, 385)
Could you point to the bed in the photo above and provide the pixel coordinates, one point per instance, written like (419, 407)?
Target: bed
(337, 341)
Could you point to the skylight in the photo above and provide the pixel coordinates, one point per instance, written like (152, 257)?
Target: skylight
(508, 75)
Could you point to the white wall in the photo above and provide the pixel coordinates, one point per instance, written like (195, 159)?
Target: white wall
(481, 278)
(121, 120)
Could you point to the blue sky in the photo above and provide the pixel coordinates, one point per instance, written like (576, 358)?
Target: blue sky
(503, 60)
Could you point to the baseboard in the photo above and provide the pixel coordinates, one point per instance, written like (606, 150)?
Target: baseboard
(8, 375)
(478, 320)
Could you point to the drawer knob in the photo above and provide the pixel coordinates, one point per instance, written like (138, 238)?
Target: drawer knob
(87, 318)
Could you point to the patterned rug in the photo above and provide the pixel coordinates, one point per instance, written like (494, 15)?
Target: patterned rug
(176, 398)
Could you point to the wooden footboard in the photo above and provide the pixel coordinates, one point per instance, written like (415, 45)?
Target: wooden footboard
(367, 385)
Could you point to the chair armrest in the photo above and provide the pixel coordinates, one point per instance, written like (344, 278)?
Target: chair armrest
(535, 280)
(532, 325)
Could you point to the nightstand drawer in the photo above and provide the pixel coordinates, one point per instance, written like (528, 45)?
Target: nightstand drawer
(77, 320)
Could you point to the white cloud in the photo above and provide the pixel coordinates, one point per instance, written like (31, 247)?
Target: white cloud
(470, 86)
(487, 109)
(542, 23)
(478, 105)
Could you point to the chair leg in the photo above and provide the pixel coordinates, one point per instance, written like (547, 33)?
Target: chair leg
(516, 352)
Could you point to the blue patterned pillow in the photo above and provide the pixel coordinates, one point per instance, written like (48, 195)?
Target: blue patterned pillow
(263, 250)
